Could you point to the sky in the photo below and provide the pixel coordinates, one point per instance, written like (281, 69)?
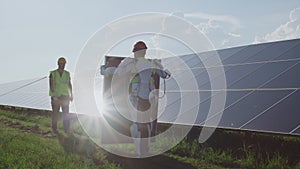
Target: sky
(33, 33)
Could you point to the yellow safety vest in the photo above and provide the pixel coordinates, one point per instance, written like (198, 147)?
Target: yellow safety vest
(60, 83)
(136, 79)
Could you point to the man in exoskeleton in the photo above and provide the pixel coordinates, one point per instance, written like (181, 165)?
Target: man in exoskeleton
(142, 94)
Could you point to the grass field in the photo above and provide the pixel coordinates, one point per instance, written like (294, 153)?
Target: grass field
(26, 141)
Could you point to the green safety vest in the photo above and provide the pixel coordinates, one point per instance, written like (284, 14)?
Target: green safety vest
(136, 78)
(60, 83)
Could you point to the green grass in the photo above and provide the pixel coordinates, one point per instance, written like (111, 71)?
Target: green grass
(26, 141)
(199, 155)
(28, 150)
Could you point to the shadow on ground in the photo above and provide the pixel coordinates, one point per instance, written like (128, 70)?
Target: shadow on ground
(85, 148)
(157, 162)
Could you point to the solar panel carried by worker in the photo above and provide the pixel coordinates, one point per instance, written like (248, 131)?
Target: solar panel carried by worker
(131, 95)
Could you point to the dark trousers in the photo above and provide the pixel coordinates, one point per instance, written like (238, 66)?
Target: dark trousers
(63, 102)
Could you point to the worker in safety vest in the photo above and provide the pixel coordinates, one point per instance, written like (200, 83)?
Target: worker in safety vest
(141, 94)
(61, 94)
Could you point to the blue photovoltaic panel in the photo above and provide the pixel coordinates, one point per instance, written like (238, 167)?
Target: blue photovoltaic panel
(260, 76)
(239, 113)
(278, 117)
(33, 93)
(296, 130)
(274, 51)
(232, 98)
(290, 54)
(226, 53)
(247, 52)
(288, 79)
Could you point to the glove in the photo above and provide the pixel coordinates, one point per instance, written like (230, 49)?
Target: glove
(54, 96)
(168, 73)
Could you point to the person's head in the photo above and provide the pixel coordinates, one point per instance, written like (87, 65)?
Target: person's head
(61, 62)
(139, 49)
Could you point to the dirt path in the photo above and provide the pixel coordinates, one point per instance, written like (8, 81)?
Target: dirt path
(32, 129)
(156, 162)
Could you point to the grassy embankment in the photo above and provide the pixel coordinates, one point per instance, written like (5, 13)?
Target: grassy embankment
(26, 141)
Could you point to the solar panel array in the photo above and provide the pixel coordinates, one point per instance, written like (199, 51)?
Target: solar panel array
(262, 91)
(262, 87)
(31, 93)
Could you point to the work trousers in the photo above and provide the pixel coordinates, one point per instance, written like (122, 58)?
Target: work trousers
(57, 103)
(143, 128)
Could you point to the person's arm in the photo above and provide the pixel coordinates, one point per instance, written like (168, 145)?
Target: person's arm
(165, 74)
(108, 71)
(71, 90)
(51, 84)
(160, 70)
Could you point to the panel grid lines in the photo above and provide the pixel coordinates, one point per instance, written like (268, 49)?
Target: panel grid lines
(267, 109)
(295, 129)
(243, 97)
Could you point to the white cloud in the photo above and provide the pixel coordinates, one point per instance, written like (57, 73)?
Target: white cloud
(289, 30)
(219, 18)
(234, 35)
(295, 14)
(209, 23)
(220, 29)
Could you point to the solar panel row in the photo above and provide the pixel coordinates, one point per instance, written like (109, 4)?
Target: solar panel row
(32, 93)
(262, 88)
